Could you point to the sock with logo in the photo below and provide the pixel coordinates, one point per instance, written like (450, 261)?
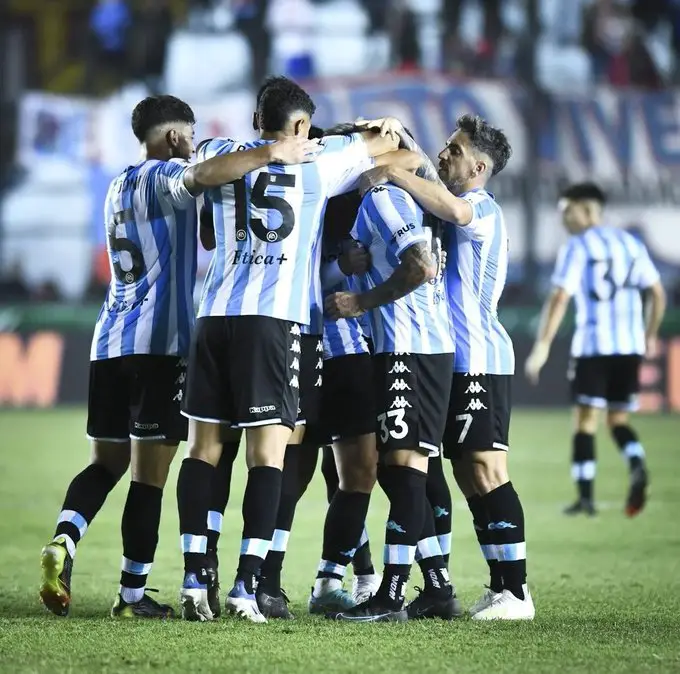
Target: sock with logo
(270, 571)
(430, 558)
(139, 527)
(405, 489)
(439, 497)
(480, 521)
(193, 500)
(583, 464)
(341, 534)
(362, 564)
(263, 493)
(506, 526)
(329, 472)
(84, 498)
(629, 444)
(219, 494)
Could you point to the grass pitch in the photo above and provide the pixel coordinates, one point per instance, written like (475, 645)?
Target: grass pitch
(606, 590)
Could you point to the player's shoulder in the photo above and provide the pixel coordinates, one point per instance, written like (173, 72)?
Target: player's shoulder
(211, 147)
(389, 193)
(484, 202)
(337, 143)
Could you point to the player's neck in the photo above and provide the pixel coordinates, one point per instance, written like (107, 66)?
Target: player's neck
(151, 151)
(273, 135)
(470, 185)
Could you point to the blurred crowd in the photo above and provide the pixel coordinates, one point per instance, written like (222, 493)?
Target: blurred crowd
(620, 42)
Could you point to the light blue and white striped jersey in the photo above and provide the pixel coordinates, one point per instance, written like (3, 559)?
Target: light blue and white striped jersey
(152, 241)
(346, 336)
(476, 268)
(315, 326)
(605, 269)
(266, 227)
(390, 222)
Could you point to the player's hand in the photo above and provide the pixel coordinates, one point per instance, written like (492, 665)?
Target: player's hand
(354, 259)
(535, 362)
(651, 346)
(343, 305)
(295, 150)
(373, 178)
(386, 125)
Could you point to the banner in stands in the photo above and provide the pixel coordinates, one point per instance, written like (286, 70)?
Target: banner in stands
(47, 368)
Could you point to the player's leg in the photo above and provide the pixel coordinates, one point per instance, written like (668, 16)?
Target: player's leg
(439, 498)
(107, 426)
(589, 382)
(219, 498)
(624, 386)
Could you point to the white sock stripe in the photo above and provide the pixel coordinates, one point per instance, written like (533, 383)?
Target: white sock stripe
(215, 519)
(428, 547)
(364, 538)
(280, 540)
(193, 543)
(511, 552)
(131, 595)
(331, 567)
(634, 450)
(74, 518)
(445, 543)
(135, 568)
(575, 472)
(489, 551)
(399, 554)
(257, 547)
(588, 469)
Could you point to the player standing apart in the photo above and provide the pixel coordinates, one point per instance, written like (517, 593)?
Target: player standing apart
(476, 438)
(606, 270)
(139, 347)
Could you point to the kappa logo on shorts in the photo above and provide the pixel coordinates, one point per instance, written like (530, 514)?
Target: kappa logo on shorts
(295, 365)
(319, 382)
(295, 347)
(319, 364)
(399, 368)
(475, 387)
(400, 403)
(146, 427)
(182, 362)
(400, 385)
(262, 410)
(319, 347)
(177, 398)
(294, 382)
(476, 404)
(472, 374)
(295, 330)
(181, 379)
(402, 353)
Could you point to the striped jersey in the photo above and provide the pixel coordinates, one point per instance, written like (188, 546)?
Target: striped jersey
(151, 239)
(388, 224)
(266, 228)
(315, 326)
(346, 336)
(476, 268)
(605, 269)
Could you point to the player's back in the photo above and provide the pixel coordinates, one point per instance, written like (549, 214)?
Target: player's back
(151, 239)
(606, 269)
(267, 225)
(476, 270)
(388, 223)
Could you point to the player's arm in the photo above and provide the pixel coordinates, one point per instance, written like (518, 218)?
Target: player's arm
(226, 168)
(353, 259)
(566, 278)
(655, 308)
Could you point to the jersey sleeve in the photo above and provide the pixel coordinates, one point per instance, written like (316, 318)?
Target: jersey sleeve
(396, 217)
(342, 161)
(483, 221)
(168, 177)
(647, 272)
(570, 266)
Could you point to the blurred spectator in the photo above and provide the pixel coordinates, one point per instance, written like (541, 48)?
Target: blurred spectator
(291, 23)
(108, 38)
(377, 15)
(404, 30)
(151, 32)
(12, 286)
(251, 21)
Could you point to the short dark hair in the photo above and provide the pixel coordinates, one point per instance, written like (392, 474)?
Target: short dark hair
(340, 214)
(270, 81)
(315, 132)
(344, 129)
(279, 101)
(156, 110)
(587, 191)
(487, 139)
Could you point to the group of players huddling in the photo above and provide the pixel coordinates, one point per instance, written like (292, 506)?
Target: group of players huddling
(347, 272)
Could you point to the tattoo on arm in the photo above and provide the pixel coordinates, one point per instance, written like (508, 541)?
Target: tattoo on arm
(416, 267)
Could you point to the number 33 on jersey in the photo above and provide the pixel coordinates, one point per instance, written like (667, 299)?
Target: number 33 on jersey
(266, 225)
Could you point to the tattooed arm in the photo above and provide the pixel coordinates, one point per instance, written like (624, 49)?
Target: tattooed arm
(416, 266)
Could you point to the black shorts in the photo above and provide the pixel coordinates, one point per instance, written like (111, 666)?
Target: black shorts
(606, 382)
(412, 397)
(244, 371)
(348, 400)
(311, 380)
(479, 414)
(137, 397)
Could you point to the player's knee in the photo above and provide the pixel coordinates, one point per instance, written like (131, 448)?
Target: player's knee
(359, 477)
(115, 457)
(462, 474)
(151, 462)
(489, 471)
(586, 419)
(409, 458)
(616, 420)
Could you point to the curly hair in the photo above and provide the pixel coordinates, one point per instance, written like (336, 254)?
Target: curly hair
(487, 139)
(281, 98)
(157, 110)
(587, 191)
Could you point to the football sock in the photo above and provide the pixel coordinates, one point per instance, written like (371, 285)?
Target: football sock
(84, 498)
(430, 559)
(629, 444)
(193, 499)
(439, 497)
(362, 563)
(329, 472)
(506, 527)
(262, 494)
(139, 527)
(583, 464)
(219, 493)
(270, 571)
(480, 521)
(342, 532)
(405, 489)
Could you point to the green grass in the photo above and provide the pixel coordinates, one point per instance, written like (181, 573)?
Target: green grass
(606, 590)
